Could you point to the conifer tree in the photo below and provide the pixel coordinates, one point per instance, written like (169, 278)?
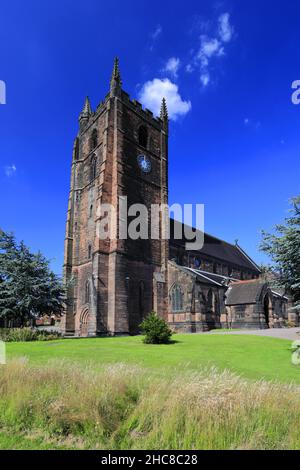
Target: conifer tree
(283, 247)
(28, 287)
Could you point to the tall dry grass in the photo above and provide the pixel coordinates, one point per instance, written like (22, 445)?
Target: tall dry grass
(123, 407)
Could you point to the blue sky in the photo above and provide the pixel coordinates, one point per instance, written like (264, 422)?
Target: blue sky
(227, 69)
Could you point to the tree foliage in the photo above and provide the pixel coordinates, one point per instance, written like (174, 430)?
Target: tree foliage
(283, 247)
(28, 288)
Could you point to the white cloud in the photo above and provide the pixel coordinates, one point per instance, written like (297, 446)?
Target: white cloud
(172, 66)
(189, 68)
(154, 36)
(211, 48)
(154, 91)
(225, 29)
(205, 78)
(157, 32)
(10, 170)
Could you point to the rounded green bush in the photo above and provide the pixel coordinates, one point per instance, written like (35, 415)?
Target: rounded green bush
(156, 330)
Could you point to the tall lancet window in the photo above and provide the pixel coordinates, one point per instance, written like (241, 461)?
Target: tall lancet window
(177, 298)
(76, 149)
(87, 292)
(93, 168)
(94, 140)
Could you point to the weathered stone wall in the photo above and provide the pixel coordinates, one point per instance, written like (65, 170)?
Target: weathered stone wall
(245, 316)
(203, 304)
(269, 311)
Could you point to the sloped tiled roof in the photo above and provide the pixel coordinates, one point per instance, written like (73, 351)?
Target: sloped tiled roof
(203, 276)
(219, 249)
(244, 292)
(212, 278)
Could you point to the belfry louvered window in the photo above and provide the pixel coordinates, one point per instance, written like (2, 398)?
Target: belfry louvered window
(143, 136)
(177, 299)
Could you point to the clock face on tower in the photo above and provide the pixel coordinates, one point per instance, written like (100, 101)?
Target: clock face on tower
(144, 163)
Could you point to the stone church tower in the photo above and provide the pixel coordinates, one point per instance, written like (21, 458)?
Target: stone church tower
(114, 283)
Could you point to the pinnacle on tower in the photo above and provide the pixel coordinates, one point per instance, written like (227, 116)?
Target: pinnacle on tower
(116, 76)
(87, 111)
(164, 110)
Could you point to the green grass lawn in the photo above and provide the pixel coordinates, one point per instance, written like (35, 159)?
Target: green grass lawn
(248, 356)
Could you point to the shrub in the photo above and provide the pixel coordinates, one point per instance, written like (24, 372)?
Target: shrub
(156, 330)
(48, 335)
(10, 335)
(18, 334)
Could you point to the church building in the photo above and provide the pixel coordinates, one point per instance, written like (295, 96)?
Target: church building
(122, 150)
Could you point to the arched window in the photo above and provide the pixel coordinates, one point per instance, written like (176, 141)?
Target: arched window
(93, 168)
(143, 136)
(177, 299)
(94, 140)
(87, 292)
(89, 251)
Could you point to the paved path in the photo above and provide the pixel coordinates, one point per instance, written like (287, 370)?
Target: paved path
(283, 333)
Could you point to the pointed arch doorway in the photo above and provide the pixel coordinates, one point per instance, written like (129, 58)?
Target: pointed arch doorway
(84, 323)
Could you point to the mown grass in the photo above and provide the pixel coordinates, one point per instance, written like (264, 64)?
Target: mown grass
(248, 356)
(9, 440)
(121, 406)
